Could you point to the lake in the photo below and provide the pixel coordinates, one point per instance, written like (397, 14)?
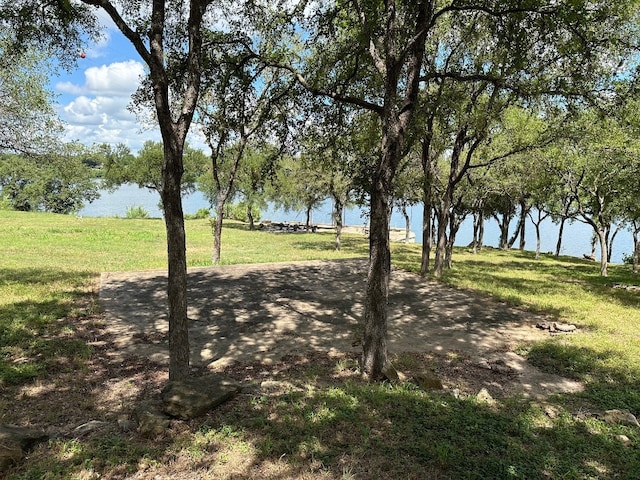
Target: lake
(576, 240)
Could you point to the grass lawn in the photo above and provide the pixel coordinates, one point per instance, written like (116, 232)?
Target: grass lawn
(324, 421)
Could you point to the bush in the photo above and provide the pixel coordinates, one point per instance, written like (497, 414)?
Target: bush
(136, 211)
(627, 259)
(238, 211)
(5, 203)
(200, 214)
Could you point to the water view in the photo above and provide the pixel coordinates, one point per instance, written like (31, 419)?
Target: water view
(576, 240)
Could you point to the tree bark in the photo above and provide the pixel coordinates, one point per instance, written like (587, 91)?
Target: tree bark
(427, 237)
(337, 217)
(217, 228)
(602, 236)
(427, 196)
(441, 237)
(560, 233)
(307, 223)
(252, 226)
(636, 249)
(610, 242)
(454, 226)
(407, 224)
(374, 357)
(177, 265)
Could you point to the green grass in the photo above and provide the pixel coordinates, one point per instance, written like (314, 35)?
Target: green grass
(331, 424)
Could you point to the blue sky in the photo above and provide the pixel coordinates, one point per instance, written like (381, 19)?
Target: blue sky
(92, 99)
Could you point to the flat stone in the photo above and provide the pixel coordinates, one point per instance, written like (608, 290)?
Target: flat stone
(485, 397)
(626, 441)
(620, 417)
(151, 420)
(563, 327)
(87, 428)
(195, 396)
(15, 441)
(427, 381)
(390, 373)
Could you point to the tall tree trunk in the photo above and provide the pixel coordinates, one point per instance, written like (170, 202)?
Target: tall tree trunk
(602, 236)
(337, 217)
(636, 249)
(441, 238)
(396, 114)
(524, 210)
(307, 222)
(520, 229)
(407, 224)
(427, 237)
(479, 241)
(454, 226)
(252, 225)
(152, 51)
(374, 357)
(177, 262)
(610, 242)
(427, 202)
(217, 228)
(560, 233)
(476, 227)
(503, 225)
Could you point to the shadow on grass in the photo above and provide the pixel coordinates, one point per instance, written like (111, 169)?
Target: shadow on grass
(32, 333)
(326, 422)
(611, 381)
(514, 275)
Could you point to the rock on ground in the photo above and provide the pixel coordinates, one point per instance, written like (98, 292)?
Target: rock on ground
(15, 441)
(193, 397)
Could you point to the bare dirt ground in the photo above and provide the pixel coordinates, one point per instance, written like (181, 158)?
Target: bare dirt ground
(262, 313)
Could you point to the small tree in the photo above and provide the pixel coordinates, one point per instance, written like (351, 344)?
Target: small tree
(145, 168)
(56, 182)
(28, 122)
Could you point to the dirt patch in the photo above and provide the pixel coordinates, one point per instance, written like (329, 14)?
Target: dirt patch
(261, 313)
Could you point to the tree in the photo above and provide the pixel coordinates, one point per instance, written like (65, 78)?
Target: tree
(252, 178)
(332, 143)
(145, 168)
(242, 100)
(296, 186)
(391, 38)
(28, 123)
(55, 182)
(599, 159)
(168, 38)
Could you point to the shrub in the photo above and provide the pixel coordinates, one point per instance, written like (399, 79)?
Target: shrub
(200, 214)
(136, 211)
(238, 211)
(5, 203)
(627, 258)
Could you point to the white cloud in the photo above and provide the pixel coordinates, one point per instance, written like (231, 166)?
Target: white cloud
(97, 111)
(121, 78)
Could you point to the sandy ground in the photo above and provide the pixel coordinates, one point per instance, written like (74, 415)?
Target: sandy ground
(249, 313)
